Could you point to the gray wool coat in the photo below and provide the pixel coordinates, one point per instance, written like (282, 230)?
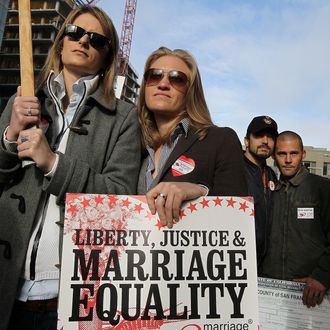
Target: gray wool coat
(102, 156)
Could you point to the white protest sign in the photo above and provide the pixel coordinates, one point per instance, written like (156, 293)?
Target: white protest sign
(122, 270)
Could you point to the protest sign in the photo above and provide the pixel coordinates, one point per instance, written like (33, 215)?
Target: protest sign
(122, 270)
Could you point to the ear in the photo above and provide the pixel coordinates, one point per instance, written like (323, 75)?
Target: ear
(246, 142)
(304, 154)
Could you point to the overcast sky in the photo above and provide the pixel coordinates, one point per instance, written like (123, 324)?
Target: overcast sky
(257, 57)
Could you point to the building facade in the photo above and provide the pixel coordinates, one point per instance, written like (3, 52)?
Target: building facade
(47, 18)
(3, 15)
(317, 161)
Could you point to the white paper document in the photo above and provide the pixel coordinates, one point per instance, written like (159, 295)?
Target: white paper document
(281, 307)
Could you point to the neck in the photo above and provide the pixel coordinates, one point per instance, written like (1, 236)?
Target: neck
(164, 124)
(69, 79)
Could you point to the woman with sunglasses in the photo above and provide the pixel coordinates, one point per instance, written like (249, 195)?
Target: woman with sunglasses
(186, 155)
(81, 139)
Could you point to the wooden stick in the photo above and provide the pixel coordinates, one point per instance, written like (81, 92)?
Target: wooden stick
(25, 48)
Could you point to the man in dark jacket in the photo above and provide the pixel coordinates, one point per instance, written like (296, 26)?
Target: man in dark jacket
(259, 143)
(299, 246)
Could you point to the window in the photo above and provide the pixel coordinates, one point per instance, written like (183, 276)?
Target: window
(326, 169)
(311, 166)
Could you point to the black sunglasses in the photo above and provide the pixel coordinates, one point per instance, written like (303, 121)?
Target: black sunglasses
(96, 40)
(177, 79)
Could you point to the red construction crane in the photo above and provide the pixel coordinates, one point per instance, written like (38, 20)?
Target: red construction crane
(126, 36)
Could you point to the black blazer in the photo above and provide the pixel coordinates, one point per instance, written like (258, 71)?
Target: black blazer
(216, 161)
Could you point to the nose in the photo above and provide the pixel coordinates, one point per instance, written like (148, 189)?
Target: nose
(265, 139)
(84, 39)
(164, 82)
(288, 159)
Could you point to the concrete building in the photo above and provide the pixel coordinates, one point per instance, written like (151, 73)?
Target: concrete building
(3, 15)
(47, 18)
(127, 87)
(318, 161)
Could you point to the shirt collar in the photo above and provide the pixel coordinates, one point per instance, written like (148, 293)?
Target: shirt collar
(297, 179)
(90, 82)
(181, 128)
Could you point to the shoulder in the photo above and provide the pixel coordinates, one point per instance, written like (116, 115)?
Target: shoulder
(318, 180)
(222, 134)
(125, 107)
(222, 131)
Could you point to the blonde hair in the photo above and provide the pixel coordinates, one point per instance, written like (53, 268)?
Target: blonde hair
(196, 108)
(54, 61)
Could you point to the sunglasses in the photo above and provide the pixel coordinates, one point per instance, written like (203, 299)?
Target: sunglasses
(177, 79)
(96, 40)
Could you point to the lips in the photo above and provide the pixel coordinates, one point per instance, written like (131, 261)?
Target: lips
(161, 95)
(264, 148)
(80, 52)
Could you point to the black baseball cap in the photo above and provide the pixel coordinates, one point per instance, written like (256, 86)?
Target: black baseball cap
(262, 123)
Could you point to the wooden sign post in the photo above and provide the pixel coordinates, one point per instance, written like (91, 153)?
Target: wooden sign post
(25, 48)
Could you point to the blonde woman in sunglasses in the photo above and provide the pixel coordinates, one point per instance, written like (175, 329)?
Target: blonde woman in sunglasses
(83, 139)
(186, 155)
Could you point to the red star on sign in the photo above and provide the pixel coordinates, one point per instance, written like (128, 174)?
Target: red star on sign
(204, 202)
(126, 202)
(217, 201)
(230, 202)
(72, 208)
(252, 213)
(85, 202)
(113, 199)
(181, 214)
(159, 225)
(138, 208)
(192, 207)
(243, 206)
(99, 199)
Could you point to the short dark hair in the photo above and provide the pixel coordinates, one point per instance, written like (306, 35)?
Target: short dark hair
(290, 135)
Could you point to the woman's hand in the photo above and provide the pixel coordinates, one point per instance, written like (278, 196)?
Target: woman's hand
(167, 197)
(25, 113)
(33, 144)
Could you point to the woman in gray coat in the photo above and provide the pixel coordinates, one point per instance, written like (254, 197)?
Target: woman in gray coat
(81, 139)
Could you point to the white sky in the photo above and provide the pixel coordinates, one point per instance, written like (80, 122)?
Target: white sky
(256, 57)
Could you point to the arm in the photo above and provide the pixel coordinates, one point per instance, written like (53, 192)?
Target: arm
(318, 282)
(119, 174)
(321, 273)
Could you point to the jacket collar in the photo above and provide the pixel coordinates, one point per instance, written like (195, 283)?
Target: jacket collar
(182, 146)
(96, 97)
(297, 179)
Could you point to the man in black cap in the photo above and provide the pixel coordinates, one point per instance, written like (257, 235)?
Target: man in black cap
(259, 143)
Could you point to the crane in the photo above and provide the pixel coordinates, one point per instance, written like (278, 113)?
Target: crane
(126, 36)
